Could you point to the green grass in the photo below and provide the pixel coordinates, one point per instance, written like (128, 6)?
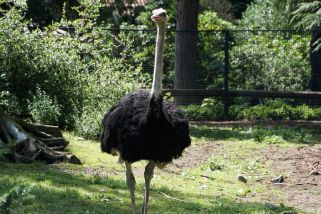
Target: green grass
(259, 134)
(98, 186)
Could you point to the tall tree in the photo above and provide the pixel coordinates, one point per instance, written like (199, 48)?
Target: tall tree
(315, 59)
(308, 16)
(186, 53)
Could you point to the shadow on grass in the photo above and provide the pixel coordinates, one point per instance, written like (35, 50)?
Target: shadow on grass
(52, 191)
(213, 204)
(273, 134)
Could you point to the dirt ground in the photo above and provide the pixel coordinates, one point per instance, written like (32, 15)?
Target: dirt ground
(303, 182)
(301, 186)
(193, 156)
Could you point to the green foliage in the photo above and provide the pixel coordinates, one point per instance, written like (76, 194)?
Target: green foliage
(107, 78)
(270, 110)
(43, 109)
(270, 60)
(262, 14)
(212, 48)
(143, 42)
(103, 88)
(7, 150)
(45, 12)
(258, 16)
(19, 193)
(305, 112)
(38, 60)
(65, 79)
(279, 110)
(308, 15)
(261, 134)
(210, 108)
(208, 20)
(266, 61)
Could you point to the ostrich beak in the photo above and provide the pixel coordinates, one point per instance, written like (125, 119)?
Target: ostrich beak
(158, 14)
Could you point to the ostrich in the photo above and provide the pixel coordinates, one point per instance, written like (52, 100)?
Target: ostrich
(144, 127)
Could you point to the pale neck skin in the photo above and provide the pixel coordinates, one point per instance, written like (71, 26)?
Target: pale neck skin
(158, 64)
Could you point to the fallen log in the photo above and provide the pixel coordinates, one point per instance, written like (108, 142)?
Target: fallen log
(26, 142)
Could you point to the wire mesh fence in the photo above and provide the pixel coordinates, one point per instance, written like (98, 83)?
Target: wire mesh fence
(221, 74)
(219, 70)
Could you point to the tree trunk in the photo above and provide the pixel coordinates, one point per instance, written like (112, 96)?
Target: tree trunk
(25, 142)
(315, 60)
(186, 53)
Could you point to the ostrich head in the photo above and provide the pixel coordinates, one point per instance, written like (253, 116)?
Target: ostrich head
(159, 16)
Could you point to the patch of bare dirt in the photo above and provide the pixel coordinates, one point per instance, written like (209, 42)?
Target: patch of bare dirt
(300, 166)
(193, 156)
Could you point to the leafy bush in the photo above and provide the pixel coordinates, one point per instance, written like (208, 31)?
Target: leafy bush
(69, 79)
(265, 61)
(304, 112)
(269, 60)
(262, 14)
(212, 48)
(210, 108)
(236, 111)
(279, 110)
(275, 109)
(103, 88)
(39, 60)
(43, 109)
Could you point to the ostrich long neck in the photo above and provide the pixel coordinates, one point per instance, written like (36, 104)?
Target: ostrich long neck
(158, 65)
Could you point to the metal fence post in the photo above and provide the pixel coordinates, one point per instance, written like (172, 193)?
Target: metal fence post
(226, 71)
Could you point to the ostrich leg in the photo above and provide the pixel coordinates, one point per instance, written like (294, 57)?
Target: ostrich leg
(148, 174)
(130, 180)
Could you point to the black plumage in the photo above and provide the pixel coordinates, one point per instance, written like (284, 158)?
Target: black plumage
(142, 127)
